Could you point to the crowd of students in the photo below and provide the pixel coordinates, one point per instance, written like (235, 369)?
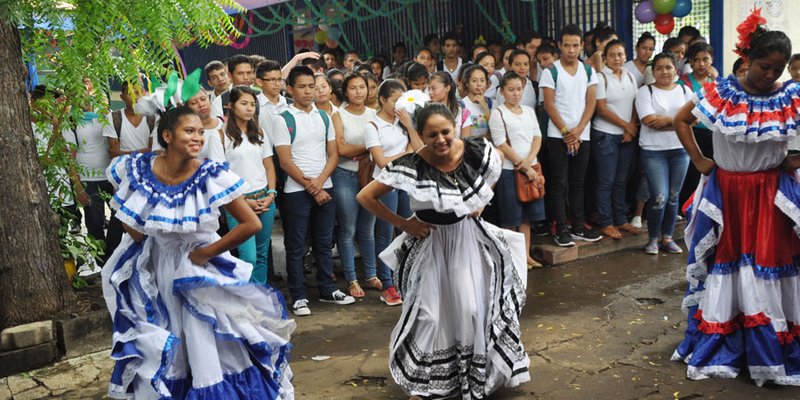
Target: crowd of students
(596, 123)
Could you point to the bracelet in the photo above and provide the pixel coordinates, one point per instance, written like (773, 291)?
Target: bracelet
(272, 191)
(564, 130)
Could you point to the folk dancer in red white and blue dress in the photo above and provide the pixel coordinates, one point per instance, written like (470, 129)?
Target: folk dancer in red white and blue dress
(187, 322)
(743, 301)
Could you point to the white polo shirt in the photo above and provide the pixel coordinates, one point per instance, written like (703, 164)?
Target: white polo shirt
(245, 160)
(309, 150)
(133, 137)
(389, 136)
(570, 97)
(268, 111)
(660, 102)
(519, 130)
(92, 149)
(619, 95)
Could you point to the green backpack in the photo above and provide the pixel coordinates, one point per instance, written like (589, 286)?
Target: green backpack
(545, 119)
(291, 125)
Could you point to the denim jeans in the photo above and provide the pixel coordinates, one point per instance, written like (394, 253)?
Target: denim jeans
(353, 220)
(94, 215)
(613, 162)
(300, 214)
(666, 170)
(384, 234)
(255, 250)
(567, 177)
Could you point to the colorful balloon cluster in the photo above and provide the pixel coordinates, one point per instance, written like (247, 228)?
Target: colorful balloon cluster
(663, 13)
(328, 36)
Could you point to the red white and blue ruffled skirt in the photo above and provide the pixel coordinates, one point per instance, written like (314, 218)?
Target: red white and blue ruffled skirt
(743, 301)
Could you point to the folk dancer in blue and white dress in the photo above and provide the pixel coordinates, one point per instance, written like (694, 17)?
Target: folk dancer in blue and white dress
(187, 323)
(462, 279)
(743, 301)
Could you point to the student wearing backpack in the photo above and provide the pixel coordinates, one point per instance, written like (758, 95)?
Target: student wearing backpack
(664, 158)
(614, 130)
(248, 152)
(306, 147)
(129, 131)
(569, 100)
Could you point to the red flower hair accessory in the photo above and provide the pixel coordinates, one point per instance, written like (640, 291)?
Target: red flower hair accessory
(752, 24)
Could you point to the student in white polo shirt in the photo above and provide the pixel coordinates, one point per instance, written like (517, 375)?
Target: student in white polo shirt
(569, 100)
(217, 76)
(614, 131)
(128, 131)
(306, 146)
(270, 101)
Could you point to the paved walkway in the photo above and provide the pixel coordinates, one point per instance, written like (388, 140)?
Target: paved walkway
(600, 328)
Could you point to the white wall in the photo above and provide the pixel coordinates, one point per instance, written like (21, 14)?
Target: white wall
(777, 13)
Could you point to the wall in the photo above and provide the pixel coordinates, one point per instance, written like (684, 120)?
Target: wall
(736, 11)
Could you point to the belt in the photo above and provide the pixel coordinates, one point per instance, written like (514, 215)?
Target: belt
(437, 218)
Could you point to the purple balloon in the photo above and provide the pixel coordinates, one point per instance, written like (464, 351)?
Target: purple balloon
(682, 8)
(645, 12)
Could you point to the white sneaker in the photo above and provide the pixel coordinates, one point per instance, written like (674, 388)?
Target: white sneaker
(637, 222)
(337, 297)
(300, 308)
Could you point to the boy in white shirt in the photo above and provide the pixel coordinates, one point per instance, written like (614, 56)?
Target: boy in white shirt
(569, 100)
(306, 146)
(241, 72)
(128, 131)
(217, 76)
(270, 101)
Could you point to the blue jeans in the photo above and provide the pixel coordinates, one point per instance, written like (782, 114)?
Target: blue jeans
(353, 219)
(255, 250)
(613, 163)
(301, 214)
(384, 233)
(666, 170)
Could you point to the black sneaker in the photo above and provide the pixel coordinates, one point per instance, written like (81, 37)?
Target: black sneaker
(541, 229)
(587, 236)
(337, 297)
(564, 239)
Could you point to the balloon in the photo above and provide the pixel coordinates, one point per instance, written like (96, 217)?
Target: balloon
(334, 33)
(645, 12)
(682, 8)
(331, 44)
(320, 37)
(665, 23)
(663, 6)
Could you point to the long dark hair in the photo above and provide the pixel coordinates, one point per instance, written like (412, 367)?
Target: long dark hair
(430, 110)
(254, 134)
(447, 80)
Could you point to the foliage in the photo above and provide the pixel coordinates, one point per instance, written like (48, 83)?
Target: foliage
(122, 40)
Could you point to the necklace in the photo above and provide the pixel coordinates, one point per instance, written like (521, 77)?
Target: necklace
(451, 176)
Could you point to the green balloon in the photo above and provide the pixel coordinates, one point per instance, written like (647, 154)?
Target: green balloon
(663, 6)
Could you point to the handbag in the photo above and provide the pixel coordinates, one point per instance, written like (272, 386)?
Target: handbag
(527, 190)
(366, 167)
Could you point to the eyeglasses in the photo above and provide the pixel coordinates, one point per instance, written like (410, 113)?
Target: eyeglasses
(273, 80)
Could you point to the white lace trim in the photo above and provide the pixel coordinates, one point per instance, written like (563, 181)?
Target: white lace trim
(713, 371)
(790, 209)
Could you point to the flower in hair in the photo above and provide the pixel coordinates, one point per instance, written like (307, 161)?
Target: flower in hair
(752, 24)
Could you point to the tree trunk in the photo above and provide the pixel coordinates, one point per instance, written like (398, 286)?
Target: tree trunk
(33, 283)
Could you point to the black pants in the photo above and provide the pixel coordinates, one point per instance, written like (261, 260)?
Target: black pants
(567, 175)
(705, 142)
(94, 216)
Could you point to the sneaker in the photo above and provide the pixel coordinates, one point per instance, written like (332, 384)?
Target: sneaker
(300, 308)
(391, 297)
(652, 247)
(337, 297)
(88, 269)
(541, 229)
(589, 235)
(671, 247)
(564, 239)
(637, 222)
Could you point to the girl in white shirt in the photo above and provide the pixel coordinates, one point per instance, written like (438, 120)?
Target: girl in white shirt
(349, 124)
(520, 62)
(515, 132)
(614, 129)
(479, 106)
(442, 89)
(248, 151)
(645, 47)
(323, 93)
(388, 136)
(664, 159)
(487, 61)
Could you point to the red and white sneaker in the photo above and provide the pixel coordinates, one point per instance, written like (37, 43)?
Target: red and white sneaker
(391, 297)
